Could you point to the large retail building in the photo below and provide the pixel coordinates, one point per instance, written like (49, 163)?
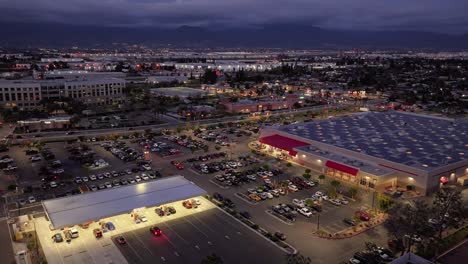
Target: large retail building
(382, 150)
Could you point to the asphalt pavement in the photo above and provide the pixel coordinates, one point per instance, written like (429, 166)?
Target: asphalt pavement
(192, 238)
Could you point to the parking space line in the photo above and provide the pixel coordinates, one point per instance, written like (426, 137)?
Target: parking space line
(134, 251)
(144, 245)
(185, 241)
(196, 227)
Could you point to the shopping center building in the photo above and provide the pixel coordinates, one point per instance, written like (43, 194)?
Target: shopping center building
(381, 150)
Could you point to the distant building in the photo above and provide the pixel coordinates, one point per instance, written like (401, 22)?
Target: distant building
(181, 92)
(250, 106)
(27, 94)
(159, 79)
(59, 122)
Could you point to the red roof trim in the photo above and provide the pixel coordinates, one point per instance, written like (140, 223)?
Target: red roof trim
(398, 169)
(283, 143)
(341, 167)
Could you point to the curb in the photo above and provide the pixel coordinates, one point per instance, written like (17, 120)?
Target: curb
(353, 235)
(275, 216)
(258, 233)
(220, 186)
(245, 200)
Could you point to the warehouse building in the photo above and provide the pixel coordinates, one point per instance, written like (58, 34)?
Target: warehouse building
(378, 150)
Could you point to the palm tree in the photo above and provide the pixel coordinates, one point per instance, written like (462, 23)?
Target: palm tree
(321, 177)
(352, 192)
(335, 184)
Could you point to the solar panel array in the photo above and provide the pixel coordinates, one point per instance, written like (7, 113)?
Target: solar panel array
(413, 140)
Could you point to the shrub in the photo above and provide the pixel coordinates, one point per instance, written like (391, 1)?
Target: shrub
(289, 164)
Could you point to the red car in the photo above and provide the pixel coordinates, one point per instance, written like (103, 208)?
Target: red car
(177, 164)
(363, 215)
(187, 204)
(156, 231)
(121, 240)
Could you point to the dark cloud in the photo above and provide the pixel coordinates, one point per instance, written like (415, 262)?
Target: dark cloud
(430, 15)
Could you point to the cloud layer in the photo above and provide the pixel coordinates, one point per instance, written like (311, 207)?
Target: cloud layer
(430, 15)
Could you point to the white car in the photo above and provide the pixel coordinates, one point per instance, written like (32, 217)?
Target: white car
(85, 179)
(305, 212)
(343, 201)
(196, 201)
(319, 194)
(36, 158)
(147, 167)
(31, 199)
(108, 185)
(293, 188)
(143, 218)
(299, 203)
(92, 177)
(144, 176)
(354, 261)
(267, 181)
(53, 184)
(325, 197)
(269, 195)
(137, 178)
(310, 183)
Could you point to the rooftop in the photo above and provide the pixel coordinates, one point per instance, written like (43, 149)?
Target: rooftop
(363, 166)
(92, 206)
(423, 142)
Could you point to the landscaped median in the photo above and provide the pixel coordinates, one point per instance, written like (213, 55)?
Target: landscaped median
(261, 231)
(359, 228)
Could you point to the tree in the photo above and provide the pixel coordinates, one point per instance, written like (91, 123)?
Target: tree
(321, 177)
(212, 259)
(409, 219)
(353, 191)
(335, 184)
(384, 201)
(308, 171)
(297, 259)
(447, 206)
(306, 175)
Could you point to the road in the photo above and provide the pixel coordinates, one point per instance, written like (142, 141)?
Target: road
(171, 123)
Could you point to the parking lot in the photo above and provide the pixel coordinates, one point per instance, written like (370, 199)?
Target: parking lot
(188, 236)
(192, 238)
(299, 233)
(88, 249)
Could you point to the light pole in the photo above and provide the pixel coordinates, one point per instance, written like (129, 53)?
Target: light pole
(318, 221)
(373, 195)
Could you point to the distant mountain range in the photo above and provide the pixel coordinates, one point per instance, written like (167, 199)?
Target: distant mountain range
(270, 36)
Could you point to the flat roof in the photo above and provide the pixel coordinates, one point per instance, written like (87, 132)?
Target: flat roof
(367, 167)
(92, 206)
(419, 141)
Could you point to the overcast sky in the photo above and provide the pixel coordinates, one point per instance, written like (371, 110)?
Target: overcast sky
(449, 16)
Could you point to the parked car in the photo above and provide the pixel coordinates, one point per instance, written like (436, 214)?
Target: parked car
(187, 204)
(245, 214)
(280, 236)
(363, 215)
(97, 233)
(349, 221)
(120, 240)
(31, 199)
(57, 238)
(305, 212)
(159, 211)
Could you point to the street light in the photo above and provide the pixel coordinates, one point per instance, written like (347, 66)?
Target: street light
(373, 195)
